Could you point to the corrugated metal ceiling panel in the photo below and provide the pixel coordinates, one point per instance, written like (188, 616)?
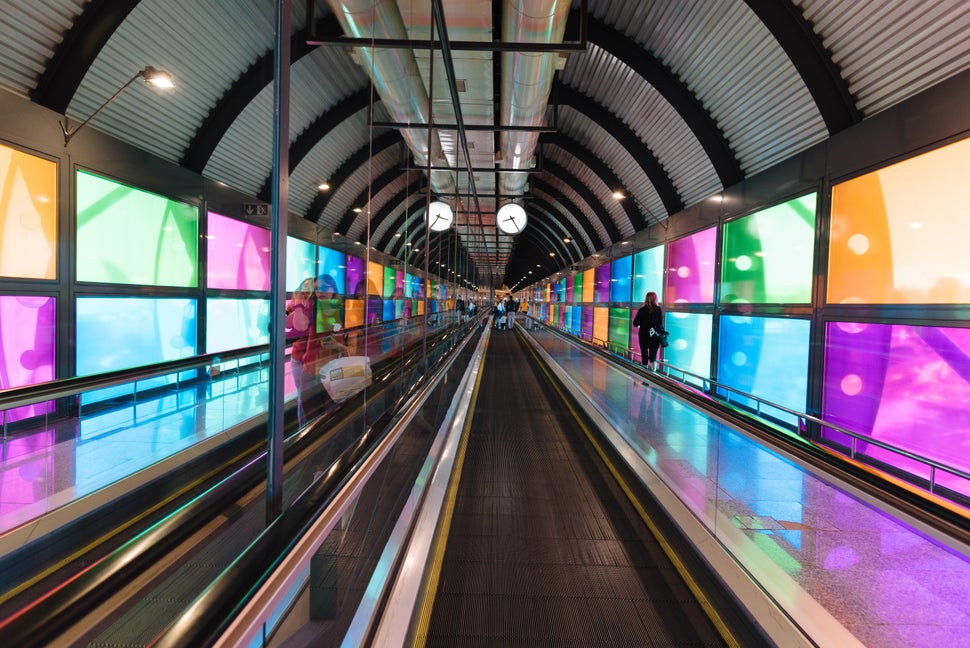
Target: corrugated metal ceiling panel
(889, 50)
(730, 61)
(30, 32)
(344, 196)
(571, 194)
(647, 113)
(635, 181)
(315, 86)
(595, 184)
(204, 60)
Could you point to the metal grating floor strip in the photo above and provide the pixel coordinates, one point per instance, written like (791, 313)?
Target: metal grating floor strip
(542, 551)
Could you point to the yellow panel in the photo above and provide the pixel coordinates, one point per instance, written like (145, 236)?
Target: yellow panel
(354, 312)
(601, 324)
(375, 278)
(28, 215)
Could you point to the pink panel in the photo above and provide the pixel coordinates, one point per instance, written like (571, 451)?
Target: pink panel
(239, 254)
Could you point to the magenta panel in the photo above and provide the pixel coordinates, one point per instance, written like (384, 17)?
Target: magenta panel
(239, 254)
(690, 268)
(26, 346)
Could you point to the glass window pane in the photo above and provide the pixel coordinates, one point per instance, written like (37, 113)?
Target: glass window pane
(28, 215)
(690, 268)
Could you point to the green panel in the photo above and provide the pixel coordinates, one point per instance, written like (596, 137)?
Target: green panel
(619, 335)
(390, 281)
(129, 236)
(578, 288)
(767, 256)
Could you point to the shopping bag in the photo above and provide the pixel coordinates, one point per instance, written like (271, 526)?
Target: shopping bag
(344, 377)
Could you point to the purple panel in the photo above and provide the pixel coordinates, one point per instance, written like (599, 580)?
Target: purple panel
(690, 269)
(238, 256)
(356, 276)
(904, 385)
(587, 322)
(26, 347)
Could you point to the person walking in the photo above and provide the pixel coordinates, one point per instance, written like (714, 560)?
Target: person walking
(649, 321)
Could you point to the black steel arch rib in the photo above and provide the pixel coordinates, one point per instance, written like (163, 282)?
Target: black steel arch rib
(373, 188)
(550, 213)
(541, 185)
(242, 92)
(814, 63)
(697, 118)
(350, 165)
(587, 195)
(322, 126)
(415, 210)
(598, 167)
(76, 52)
(568, 96)
(409, 195)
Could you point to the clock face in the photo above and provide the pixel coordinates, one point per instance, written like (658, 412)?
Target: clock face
(511, 218)
(440, 216)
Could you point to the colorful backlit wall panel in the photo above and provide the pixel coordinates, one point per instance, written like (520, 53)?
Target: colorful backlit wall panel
(333, 265)
(129, 236)
(601, 285)
(767, 357)
(300, 262)
(28, 215)
(767, 256)
(690, 268)
(648, 274)
(906, 385)
(122, 332)
(620, 324)
(238, 254)
(899, 235)
(27, 336)
(236, 323)
(690, 343)
(621, 272)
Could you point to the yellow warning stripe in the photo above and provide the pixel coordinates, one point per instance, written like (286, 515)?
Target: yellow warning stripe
(440, 541)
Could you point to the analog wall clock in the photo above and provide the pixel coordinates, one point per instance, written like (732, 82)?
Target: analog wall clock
(511, 218)
(440, 216)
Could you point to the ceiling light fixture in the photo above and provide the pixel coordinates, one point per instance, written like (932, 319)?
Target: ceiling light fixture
(323, 186)
(619, 195)
(152, 76)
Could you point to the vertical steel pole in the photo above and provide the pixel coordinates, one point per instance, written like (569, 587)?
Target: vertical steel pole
(278, 228)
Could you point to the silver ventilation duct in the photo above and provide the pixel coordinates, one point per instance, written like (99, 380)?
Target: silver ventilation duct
(526, 81)
(396, 79)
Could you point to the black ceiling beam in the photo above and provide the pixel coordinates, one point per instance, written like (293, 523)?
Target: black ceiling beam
(77, 51)
(415, 210)
(814, 63)
(588, 196)
(367, 196)
(628, 139)
(241, 94)
(350, 165)
(410, 196)
(601, 170)
(557, 195)
(677, 94)
(321, 127)
(566, 227)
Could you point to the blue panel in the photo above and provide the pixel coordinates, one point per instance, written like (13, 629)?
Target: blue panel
(333, 264)
(765, 356)
(621, 271)
(690, 343)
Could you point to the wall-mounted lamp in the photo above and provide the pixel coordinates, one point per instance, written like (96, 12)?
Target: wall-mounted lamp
(152, 76)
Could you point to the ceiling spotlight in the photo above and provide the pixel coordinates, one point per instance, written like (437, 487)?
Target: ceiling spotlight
(153, 76)
(619, 195)
(567, 240)
(357, 210)
(552, 254)
(323, 186)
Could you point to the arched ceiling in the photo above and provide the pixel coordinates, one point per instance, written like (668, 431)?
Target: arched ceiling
(669, 101)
